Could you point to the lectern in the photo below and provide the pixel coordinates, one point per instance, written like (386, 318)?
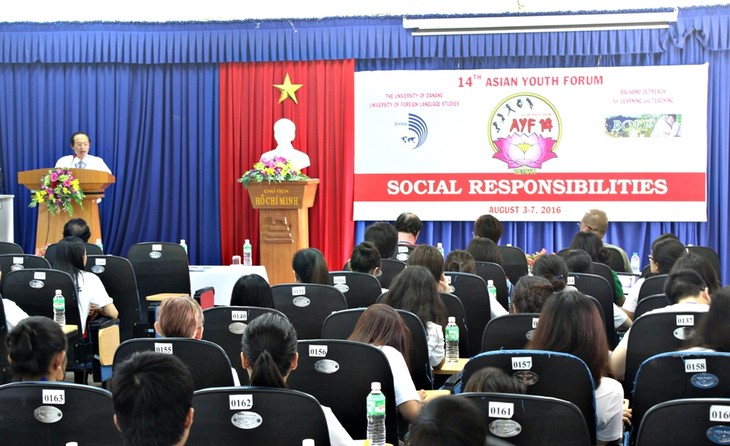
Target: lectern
(50, 227)
(283, 223)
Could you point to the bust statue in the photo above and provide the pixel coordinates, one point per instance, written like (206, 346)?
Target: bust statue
(284, 131)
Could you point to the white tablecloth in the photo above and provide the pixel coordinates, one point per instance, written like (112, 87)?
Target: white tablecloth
(222, 278)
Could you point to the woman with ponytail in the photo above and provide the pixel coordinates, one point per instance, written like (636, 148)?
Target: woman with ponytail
(37, 350)
(269, 354)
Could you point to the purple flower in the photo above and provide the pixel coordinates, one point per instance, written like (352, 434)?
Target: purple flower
(520, 150)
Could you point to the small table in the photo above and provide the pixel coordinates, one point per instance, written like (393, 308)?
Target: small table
(450, 368)
(432, 394)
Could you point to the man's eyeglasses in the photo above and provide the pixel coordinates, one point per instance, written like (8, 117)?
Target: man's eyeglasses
(581, 225)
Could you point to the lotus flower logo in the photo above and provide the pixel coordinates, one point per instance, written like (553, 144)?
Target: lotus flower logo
(524, 132)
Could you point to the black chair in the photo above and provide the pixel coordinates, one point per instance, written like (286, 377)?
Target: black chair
(514, 262)
(710, 254)
(10, 248)
(339, 373)
(403, 251)
(340, 324)
(455, 308)
(606, 272)
(651, 286)
(553, 374)
(494, 272)
(650, 303)
(224, 327)
(359, 289)
(598, 288)
(12, 262)
(207, 362)
(528, 420)
(91, 249)
(307, 305)
(5, 373)
(117, 275)
(390, 269)
(616, 260)
(256, 415)
(656, 333)
(56, 413)
(472, 290)
(691, 421)
(509, 332)
(677, 375)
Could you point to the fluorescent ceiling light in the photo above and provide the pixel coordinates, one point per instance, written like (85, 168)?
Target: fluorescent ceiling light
(540, 23)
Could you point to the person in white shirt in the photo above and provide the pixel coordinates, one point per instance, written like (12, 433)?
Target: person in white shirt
(284, 132)
(80, 144)
(13, 313)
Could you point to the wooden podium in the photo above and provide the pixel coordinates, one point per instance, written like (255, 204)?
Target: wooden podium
(283, 223)
(50, 227)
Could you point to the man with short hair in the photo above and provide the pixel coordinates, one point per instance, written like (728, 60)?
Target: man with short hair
(153, 396)
(77, 227)
(384, 236)
(80, 145)
(408, 226)
(488, 226)
(596, 221)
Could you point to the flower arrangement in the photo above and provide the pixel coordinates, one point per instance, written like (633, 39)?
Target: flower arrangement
(59, 189)
(532, 258)
(276, 169)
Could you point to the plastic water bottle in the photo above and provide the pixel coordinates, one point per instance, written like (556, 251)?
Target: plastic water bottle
(184, 245)
(492, 290)
(440, 247)
(376, 416)
(247, 258)
(452, 340)
(635, 263)
(59, 308)
(99, 244)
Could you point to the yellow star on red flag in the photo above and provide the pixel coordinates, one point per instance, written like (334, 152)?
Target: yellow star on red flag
(288, 90)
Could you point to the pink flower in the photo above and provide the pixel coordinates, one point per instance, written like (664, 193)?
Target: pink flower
(54, 176)
(519, 150)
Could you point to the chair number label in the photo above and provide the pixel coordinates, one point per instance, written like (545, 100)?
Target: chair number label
(339, 279)
(720, 413)
(39, 275)
(317, 351)
(17, 260)
(501, 410)
(448, 280)
(571, 280)
(238, 402)
(54, 396)
(101, 262)
(163, 347)
(685, 319)
(298, 291)
(695, 365)
(534, 322)
(239, 316)
(522, 363)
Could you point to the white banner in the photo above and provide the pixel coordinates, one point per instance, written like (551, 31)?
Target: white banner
(532, 144)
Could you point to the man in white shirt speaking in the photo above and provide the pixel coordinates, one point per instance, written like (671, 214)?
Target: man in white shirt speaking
(80, 144)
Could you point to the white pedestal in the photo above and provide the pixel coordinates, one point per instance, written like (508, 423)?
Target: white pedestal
(7, 230)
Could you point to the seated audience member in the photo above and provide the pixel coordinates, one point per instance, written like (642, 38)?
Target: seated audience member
(493, 379)
(430, 258)
(702, 266)
(460, 261)
(409, 227)
(365, 258)
(488, 226)
(596, 221)
(37, 350)
(664, 253)
(269, 354)
(552, 268)
(571, 323)
(380, 325)
(310, 266)
(13, 313)
(530, 294)
(153, 400)
(686, 291)
(77, 227)
(485, 250)
(593, 245)
(182, 317)
(713, 333)
(414, 290)
(646, 272)
(384, 236)
(252, 290)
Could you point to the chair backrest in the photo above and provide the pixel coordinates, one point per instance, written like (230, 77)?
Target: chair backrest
(557, 375)
(33, 290)
(455, 308)
(338, 373)
(12, 262)
(91, 249)
(695, 421)
(650, 303)
(616, 260)
(117, 275)
(604, 271)
(10, 248)
(675, 375)
(340, 324)
(5, 373)
(256, 415)
(514, 262)
(527, 420)
(710, 254)
(160, 267)
(56, 413)
(598, 288)
(472, 290)
(509, 332)
(494, 272)
(655, 333)
(207, 362)
(390, 269)
(652, 285)
(307, 305)
(359, 289)
(403, 251)
(224, 327)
